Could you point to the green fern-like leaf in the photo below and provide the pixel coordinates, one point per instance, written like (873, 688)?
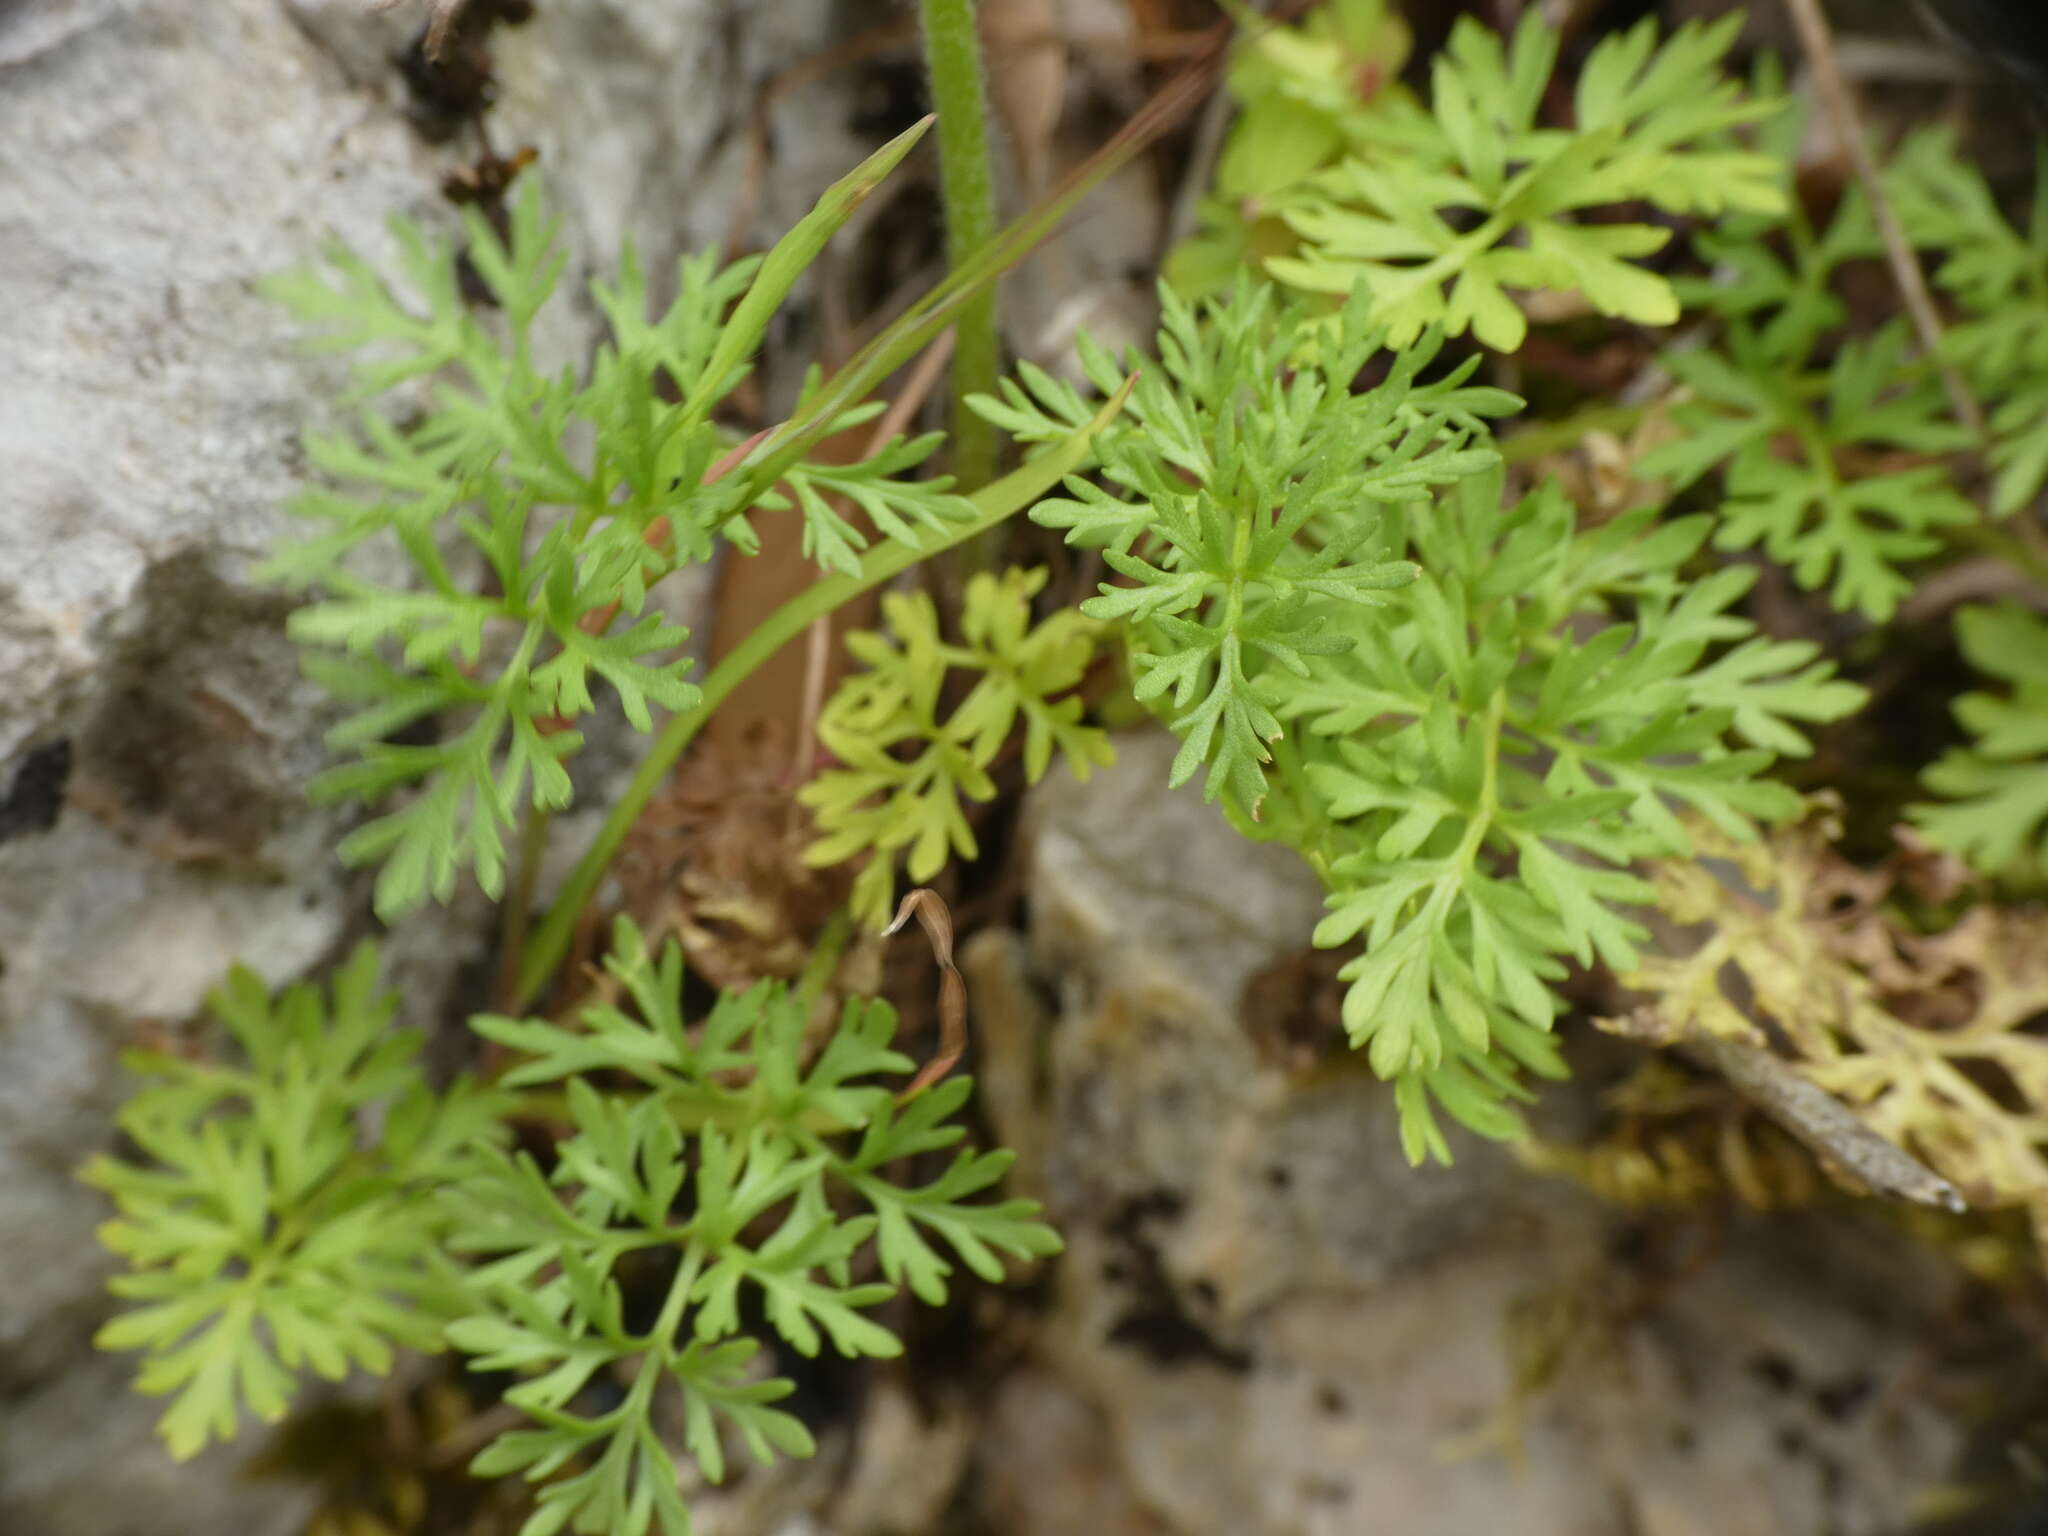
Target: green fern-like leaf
(1824, 510)
(572, 496)
(741, 1163)
(1496, 756)
(1250, 522)
(1442, 213)
(1997, 274)
(1994, 809)
(1833, 468)
(1470, 720)
(263, 1237)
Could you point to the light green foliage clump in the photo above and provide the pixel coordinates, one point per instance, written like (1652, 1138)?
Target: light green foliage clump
(268, 1229)
(1469, 720)
(1840, 456)
(903, 771)
(1497, 759)
(1996, 787)
(734, 1160)
(1468, 713)
(1441, 210)
(263, 1235)
(1298, 90)
(322, 1206)
(1996, 274)
(1829, 452)
(1249, 500)
(534, 512)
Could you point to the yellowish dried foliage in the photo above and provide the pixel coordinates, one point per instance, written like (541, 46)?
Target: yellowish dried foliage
(1929, 1038)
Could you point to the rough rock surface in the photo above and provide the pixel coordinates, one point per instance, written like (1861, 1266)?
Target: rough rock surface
(155, 736)
(1279, 1329)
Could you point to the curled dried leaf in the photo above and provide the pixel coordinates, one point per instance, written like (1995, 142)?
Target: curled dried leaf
(932, 915)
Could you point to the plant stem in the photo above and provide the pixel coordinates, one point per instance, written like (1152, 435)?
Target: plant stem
(913, 330)
(1812, 25)
(952, 52)
(993, 503)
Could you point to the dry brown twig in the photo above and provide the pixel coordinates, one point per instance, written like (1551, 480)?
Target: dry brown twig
(1823, 1122)
(1835, 91)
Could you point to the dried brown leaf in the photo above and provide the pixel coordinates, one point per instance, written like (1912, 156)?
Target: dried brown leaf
(932, 915)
